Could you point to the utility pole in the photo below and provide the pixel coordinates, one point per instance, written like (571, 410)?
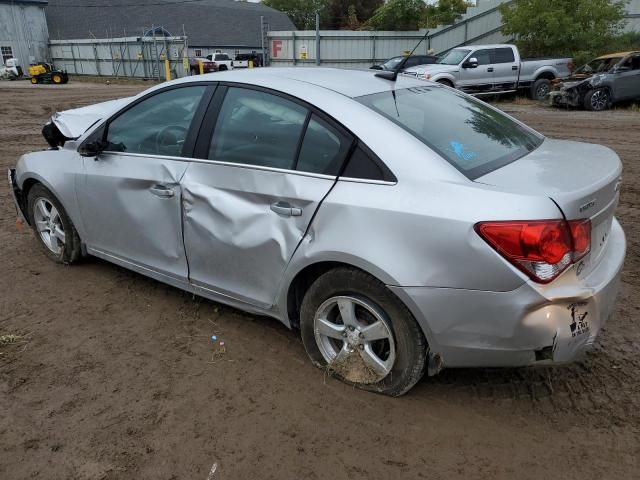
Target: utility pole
(317, 38)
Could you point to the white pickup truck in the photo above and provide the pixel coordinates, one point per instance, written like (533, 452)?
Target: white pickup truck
(489, 69)
(222, 60)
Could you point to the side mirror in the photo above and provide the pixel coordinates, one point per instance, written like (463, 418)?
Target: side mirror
(91, 149)
(471, 63)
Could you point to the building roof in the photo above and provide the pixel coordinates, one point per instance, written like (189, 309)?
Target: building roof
(224, 23)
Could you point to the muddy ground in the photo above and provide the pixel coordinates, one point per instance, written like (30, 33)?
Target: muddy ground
(114, 376)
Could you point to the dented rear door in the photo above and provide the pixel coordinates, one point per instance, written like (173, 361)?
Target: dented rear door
(246, 203)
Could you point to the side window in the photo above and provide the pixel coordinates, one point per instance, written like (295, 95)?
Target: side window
(257, 128)
(157, 125)
(362, 165)
(504, 55)
(632, 62)
(483, 56)
(323, 148)
(198, 52)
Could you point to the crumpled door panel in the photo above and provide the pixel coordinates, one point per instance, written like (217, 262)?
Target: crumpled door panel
(236, 243)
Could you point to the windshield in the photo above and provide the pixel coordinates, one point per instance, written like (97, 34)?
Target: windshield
(472, 136)
(454, 57)
(392, 63)
(599, 65)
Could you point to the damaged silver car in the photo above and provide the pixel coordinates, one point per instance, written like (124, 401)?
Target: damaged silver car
(601, 83)
(403, 226)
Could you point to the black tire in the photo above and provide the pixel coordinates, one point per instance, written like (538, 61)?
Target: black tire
(540, 89)
(223, 68)
(410, 343)
(71, 250)
(597, 100)
(446, 83)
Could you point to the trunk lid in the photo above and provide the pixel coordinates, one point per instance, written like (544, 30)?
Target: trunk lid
(582, 179)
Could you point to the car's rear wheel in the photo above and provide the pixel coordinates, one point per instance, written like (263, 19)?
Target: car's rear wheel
(54, 229)
(540, 89)
(357, 330)
(597, 100)
(223, 68)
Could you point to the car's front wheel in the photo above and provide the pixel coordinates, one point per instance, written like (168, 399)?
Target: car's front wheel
(597, 100)
(357, 330)
(54, 229)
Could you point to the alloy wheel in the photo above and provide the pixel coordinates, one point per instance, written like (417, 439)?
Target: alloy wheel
(49, 225)
(348, 325)
(543, 91)
(599, 100)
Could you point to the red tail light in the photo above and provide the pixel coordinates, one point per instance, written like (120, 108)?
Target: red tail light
(542, 249)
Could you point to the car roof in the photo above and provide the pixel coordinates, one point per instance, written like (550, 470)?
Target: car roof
(350, 83)
(616, 55)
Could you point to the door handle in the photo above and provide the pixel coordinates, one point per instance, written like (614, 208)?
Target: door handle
(162, 191)
(515, 67)
(286, 209)
(490, 69)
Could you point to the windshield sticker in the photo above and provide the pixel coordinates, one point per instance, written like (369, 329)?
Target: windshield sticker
(461, 153)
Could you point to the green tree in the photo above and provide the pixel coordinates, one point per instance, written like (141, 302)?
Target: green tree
(349, 13)
(563, 27)
(399, 15)
(444, 12)
(301, 12)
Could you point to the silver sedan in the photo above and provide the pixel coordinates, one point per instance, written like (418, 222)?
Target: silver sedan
(403, 226)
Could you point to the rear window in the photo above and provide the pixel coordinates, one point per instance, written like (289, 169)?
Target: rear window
(473, 137)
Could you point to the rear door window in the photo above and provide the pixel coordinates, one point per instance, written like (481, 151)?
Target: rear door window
(504, 55)
(257, 128)
(323, 148)
(472, 136)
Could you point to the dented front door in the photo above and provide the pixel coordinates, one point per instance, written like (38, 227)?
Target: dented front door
(242, 225)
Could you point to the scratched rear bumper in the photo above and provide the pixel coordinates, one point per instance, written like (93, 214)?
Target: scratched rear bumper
(532, 325)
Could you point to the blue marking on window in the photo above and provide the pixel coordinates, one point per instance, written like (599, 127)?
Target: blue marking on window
(461, 153)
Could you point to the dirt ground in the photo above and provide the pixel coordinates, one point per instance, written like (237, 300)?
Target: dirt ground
(114, 374)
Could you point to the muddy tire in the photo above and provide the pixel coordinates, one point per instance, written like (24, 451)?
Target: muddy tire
(540, 89)
(358, 331)
(597, 100)
(53, 228)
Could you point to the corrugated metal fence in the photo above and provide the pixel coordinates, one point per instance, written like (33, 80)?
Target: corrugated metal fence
(136, 57)
(481, 24)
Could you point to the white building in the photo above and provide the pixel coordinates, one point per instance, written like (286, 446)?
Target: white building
(23, 31)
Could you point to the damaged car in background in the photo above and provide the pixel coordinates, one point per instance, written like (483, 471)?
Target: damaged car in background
(403, 226)
(601, 83)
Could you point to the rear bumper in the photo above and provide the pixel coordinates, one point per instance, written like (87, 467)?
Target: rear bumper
(16, 193)
(532, 325)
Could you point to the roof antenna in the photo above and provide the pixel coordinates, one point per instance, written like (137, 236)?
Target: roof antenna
(393, 75)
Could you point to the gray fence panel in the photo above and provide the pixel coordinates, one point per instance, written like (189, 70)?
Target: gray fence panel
(129, 57)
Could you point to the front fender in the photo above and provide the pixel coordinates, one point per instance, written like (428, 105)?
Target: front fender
(57, 171)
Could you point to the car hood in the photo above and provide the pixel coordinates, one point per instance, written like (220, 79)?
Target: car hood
(432, 68)
(73, 123)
